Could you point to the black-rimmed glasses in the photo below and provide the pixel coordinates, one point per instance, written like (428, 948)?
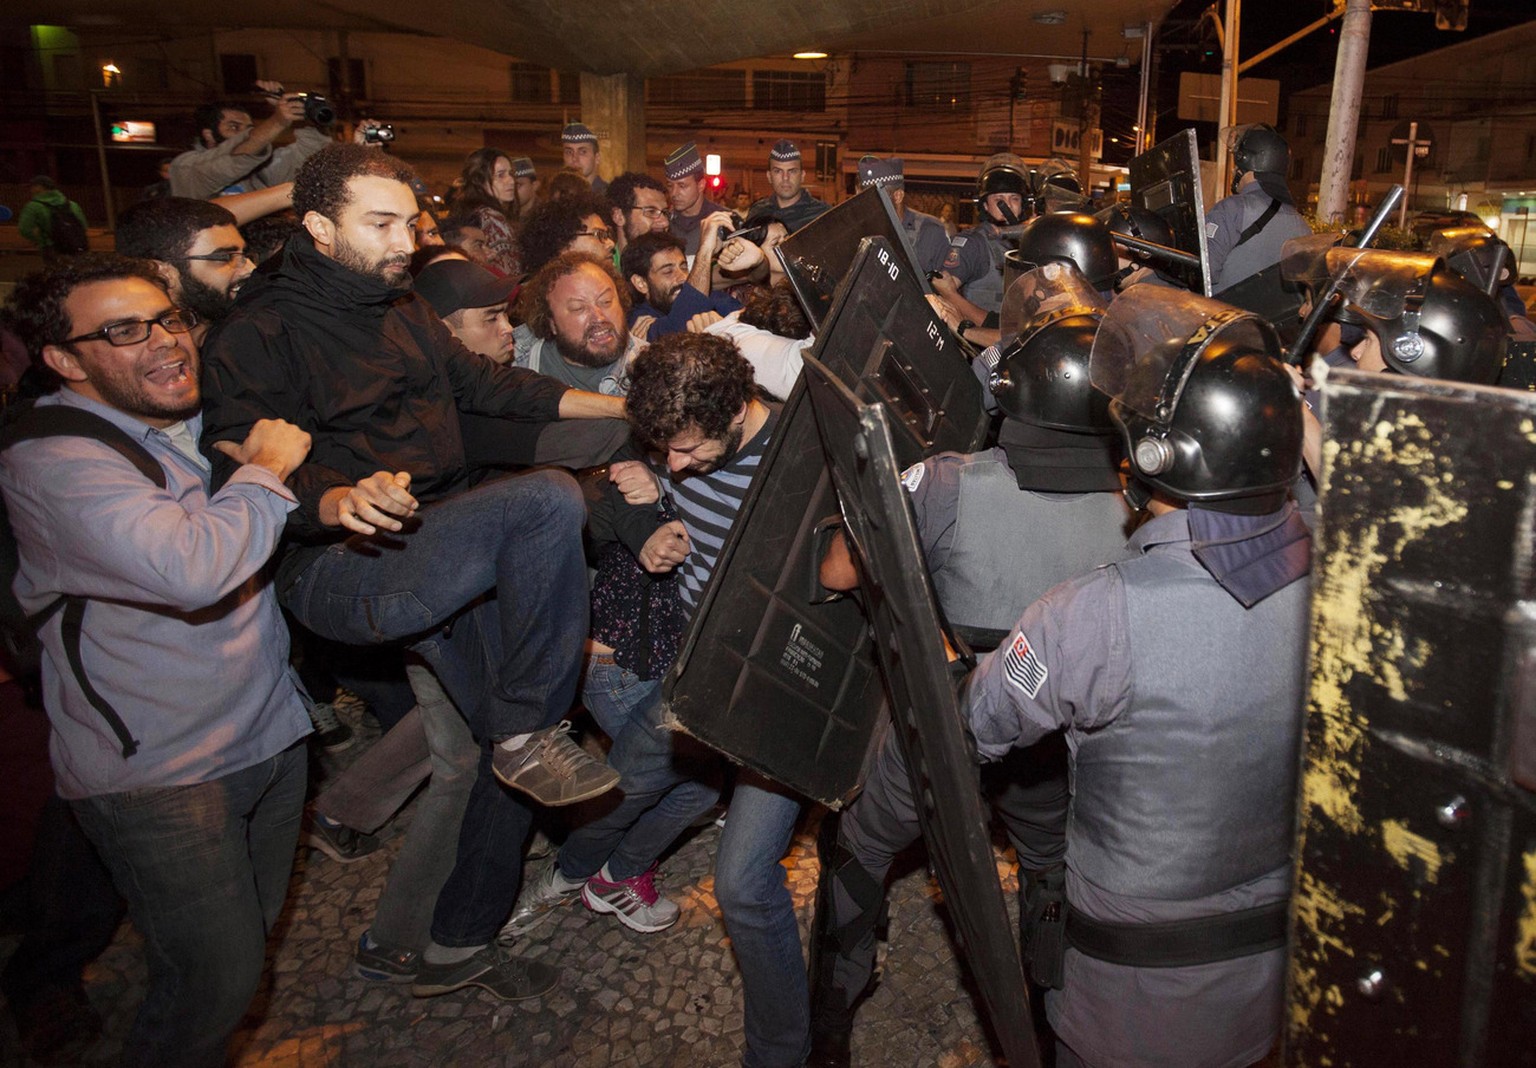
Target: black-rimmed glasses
(226, 256)
(133, 331)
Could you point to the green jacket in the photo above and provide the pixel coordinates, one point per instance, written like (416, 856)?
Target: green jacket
(35, 222)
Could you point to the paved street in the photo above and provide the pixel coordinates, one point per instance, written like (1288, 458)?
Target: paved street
(668, 999)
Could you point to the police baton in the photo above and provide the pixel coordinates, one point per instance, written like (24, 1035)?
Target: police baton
(1324, 300)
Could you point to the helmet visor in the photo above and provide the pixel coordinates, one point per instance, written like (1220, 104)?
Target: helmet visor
(1303, 260)
(1041, 296)
(1151, 338)
(1378, 283)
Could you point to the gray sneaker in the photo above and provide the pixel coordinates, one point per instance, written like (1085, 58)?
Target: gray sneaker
(538, 901)
(491, 968)
(552, 769)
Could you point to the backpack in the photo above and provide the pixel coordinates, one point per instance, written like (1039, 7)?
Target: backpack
(18, 630)
(66, 231)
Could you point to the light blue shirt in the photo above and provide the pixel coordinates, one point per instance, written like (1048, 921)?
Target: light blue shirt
(182, 633)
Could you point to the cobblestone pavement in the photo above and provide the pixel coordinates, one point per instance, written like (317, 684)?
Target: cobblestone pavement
(662, 1000)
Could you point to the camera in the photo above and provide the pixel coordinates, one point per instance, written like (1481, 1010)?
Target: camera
(318, 111)
(754, 230)
(381, 134)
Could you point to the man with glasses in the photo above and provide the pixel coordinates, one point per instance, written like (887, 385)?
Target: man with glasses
(185, 769)
(569, 224)
(639, 207)
(235, 155)
(198, 249)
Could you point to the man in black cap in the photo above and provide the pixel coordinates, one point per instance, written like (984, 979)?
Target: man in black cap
(525, 184)
(926, 235)
(579, 149)
(790, 203)
(684, 169)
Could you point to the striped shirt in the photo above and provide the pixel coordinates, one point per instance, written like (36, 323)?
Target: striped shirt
(707, 506)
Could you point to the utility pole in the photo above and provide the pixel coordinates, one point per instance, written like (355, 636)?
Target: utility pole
(1344, 111)
(1231, 30)
(1086, 120)
(1413, 145)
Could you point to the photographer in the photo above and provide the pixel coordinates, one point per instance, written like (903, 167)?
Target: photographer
(235, 155)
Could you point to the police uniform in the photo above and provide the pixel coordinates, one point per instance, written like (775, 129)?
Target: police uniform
(1184, 779)
(928, 238)
(803, 210)
(975, 258)
(686, 228)
(1233, 259)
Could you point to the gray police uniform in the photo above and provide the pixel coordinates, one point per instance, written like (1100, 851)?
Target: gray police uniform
(1231, 262)
(991, 549)
(803, 210)
(686, 227)
(1183, 715)
(975, 258)
(929, 239)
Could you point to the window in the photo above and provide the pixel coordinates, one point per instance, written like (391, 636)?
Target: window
(789, 90)
(570, 87)
(357, 78)
(1358, 169)
(530, 83)
(707, 89)
(1484, 149)
(1301, 124)
(1383, 159)
(1298, 169)
(938, 86)
(237, 71)
(1389, 106)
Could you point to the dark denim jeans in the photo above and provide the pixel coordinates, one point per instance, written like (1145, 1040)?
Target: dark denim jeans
(665, 785)
(509, 662)
(204, 869)
(759, 916)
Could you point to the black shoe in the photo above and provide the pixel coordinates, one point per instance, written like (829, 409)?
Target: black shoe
(830, 1048)
(340, 842)
(491, 968)
(331, 734)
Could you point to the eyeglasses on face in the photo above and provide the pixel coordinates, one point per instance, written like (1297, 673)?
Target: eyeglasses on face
(132, 331)
(602, 234)
(650, 213)
(225, 256)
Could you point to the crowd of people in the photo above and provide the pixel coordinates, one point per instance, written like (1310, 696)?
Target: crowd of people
(480, 457)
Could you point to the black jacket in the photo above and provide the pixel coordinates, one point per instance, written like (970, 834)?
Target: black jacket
(370, 372)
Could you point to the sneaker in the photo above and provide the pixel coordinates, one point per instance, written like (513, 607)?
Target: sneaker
(384, 964)
(539, 899)
(338, 841)
(331, 734)
(491, 968)
(634, 900)
(552, 769)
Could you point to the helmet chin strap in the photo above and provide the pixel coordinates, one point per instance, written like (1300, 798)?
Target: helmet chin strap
(1009, 218)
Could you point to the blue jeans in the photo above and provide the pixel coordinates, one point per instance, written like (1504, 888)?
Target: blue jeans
(760, 919)
(510, 663)
(660, 798)
(204, 869)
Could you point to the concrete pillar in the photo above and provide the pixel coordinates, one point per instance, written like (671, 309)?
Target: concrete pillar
(613, 107)
(1344, 111)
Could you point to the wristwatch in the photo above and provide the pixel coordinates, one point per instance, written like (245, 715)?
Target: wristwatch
(965, 324)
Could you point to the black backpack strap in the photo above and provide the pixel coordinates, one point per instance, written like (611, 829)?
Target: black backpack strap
(1259, 223)
(52, 421)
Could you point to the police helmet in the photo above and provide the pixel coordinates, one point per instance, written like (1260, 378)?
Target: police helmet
(1477, 254)
(1074, 237)
(1204, 406)
(1137, 222)
(1002, 173)
(1261, 149)
(1448, 329)
(1042, 376)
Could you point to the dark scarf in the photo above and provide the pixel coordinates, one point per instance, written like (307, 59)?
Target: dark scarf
(1251, 556)
(1059, 461)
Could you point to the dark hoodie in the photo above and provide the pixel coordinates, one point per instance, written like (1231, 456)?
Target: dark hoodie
(370, 372)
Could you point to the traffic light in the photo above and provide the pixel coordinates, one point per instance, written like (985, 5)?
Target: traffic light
(716, 183)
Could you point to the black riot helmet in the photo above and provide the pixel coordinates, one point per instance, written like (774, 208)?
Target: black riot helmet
(1071, 237)
(1258, 148)
(1041, 376)
(1002, 173)
(1137, 222)
(1477, 254)
(1205, 408)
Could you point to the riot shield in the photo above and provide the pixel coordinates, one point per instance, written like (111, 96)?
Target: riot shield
(770, 673)
(1166, 179)
(1414, 921)
(904, 614)
(1272, 296)
(817, 256)
(1519, 366)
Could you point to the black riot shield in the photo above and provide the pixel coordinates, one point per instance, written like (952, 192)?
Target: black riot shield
(1166, 179)
(1519, 366)
(904, 614)
(771, 672)
(817, 256)
(1414, 921)
(1269, 295)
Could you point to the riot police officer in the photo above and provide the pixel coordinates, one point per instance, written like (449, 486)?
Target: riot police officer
(1177, 675)
(998, 528)
(976, 255)
(1244, 232)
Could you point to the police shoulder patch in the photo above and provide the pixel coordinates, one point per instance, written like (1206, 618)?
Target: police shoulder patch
(953, 259)
(912, 477)
(1023, 668)
(1211, 228)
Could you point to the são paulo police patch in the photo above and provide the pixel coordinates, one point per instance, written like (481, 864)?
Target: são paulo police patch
(912, 477)
(1023, 667)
